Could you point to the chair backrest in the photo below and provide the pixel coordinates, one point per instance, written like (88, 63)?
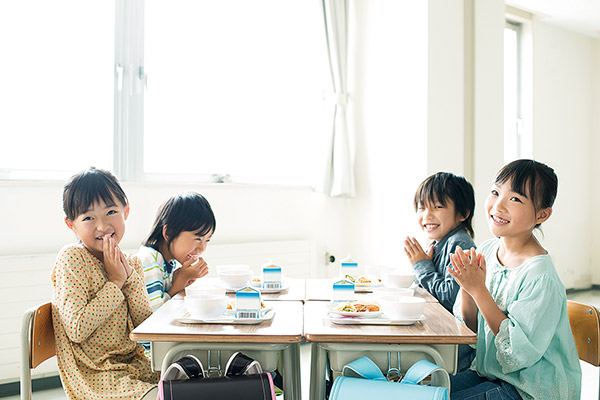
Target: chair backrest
(37, 343)
(585, 325)
(42, 342)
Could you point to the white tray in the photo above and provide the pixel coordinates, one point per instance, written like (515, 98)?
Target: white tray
(381, 320)
(228, 319)
(284, 286)
(366, 287)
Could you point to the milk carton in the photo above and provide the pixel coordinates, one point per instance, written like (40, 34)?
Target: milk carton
(343, 290)
(247, 303)
(349, 269)
(271, 276)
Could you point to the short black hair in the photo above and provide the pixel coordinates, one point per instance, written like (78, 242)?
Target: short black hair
(88, 187)
(185, 212)
(532, 179)
(444, 186)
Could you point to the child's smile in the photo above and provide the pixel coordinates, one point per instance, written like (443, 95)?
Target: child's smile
(437, 220)
(509, 213)
(98, 223)
(498, 220)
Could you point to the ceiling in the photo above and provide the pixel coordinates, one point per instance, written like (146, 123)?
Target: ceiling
(582, 16)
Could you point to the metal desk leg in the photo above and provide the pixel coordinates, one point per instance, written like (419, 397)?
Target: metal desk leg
(297, 371)
(318, 364)
(291, 372)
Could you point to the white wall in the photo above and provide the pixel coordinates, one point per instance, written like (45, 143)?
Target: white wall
(595, 144)
(32, 217)
(563, 72)
(388, 85)
(446, 87)
(566, 121)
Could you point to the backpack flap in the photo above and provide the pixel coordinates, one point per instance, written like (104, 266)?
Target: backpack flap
(253, 387)
(376, 386)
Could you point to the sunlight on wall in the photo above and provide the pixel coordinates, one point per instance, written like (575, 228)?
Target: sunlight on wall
(389, 88)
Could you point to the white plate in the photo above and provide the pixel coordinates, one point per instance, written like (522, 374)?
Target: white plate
(228, 319)
(284, 286)
(357, 315)
(381, 320)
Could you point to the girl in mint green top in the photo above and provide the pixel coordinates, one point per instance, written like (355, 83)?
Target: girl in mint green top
(513, 298)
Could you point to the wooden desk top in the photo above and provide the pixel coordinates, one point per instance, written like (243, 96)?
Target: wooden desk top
(439, 327)
(321, 289)
(162, 326)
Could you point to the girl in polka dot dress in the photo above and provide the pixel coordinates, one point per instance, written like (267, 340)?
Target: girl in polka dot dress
(99, 296)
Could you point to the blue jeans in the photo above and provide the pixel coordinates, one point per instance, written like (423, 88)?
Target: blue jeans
(467, 385)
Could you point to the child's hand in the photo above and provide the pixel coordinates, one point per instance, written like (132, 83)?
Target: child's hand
(126, 266)
(114, 262)
(468, 269)
(190, 270)
(415, 252)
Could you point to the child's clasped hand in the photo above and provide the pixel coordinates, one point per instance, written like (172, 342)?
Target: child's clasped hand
(115, 264)
(194, 268)
(468, 268)
(415, 252)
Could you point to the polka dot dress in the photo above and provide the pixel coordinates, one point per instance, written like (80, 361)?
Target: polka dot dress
(92, 320)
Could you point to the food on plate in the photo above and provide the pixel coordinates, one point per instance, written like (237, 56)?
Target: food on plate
(357, 307)
(363, 279)
(366, 307)
(349, 278)
(346, 307)
(256, 280)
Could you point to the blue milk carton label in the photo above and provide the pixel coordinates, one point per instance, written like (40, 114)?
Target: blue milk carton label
(343, 290)
(247, 303)
(271, 276)
(349, 269)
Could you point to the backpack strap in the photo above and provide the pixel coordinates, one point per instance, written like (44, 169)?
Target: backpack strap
(419, 371)
(186, 367)
(366, 368)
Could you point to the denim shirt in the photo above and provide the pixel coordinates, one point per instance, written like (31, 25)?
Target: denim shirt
(432, 274)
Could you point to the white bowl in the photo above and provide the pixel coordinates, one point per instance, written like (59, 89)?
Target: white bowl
(381, 291)
(235, 279)
(402, 307)
(194, 290)
(206, 306)
(232, 267)
(397, 278)
(373, 271)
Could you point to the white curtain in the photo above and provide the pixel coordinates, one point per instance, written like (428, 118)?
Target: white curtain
(339, 174)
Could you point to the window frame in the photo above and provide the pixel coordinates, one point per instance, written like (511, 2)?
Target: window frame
(129, 86)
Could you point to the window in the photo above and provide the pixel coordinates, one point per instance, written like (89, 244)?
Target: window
(517, 83)
(201, 90)
(56, 77)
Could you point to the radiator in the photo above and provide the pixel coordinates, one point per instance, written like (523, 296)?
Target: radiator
(25, 282)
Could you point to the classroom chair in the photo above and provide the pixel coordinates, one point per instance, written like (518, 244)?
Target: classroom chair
(585, 325)
(37, 343)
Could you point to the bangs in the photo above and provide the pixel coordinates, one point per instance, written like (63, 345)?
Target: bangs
(432, 190)
(89, 187)
(531, 179)
(203, 230)
(522, 180)
(86, 199)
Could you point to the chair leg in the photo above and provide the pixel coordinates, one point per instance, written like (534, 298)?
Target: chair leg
(25, 384)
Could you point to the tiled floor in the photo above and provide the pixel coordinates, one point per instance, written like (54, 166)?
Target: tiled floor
(590, 373)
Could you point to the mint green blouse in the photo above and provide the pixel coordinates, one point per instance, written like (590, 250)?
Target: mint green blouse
(534, 350)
